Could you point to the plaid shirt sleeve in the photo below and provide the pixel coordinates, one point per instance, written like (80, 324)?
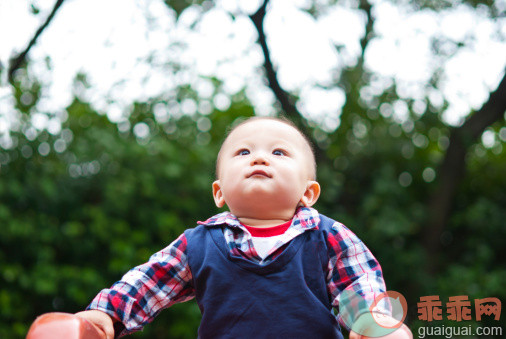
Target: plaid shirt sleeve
(145, 290)
(354, 276)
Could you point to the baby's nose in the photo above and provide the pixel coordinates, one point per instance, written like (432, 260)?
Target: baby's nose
(259, 159)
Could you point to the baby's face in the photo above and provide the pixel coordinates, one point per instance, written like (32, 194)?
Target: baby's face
(265, 167)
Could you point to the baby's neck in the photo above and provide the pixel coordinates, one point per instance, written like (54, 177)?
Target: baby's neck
(262, 222)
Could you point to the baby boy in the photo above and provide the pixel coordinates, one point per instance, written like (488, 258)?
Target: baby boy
(270, 267)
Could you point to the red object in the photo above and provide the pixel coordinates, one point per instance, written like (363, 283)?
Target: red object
(264, 232)
(63, 326)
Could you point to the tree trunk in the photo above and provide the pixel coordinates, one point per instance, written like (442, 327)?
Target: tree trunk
(452, 171)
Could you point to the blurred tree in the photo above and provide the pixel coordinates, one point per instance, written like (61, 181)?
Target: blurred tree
(19, 60)
(81, 206)
(450, 170)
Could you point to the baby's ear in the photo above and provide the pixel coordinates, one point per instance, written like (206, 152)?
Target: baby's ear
(218, 194)
(311, 194)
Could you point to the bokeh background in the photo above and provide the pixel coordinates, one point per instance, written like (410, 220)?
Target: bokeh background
(112, 113)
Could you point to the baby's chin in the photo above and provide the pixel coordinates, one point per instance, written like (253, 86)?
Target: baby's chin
(265, 209)
(266, 190)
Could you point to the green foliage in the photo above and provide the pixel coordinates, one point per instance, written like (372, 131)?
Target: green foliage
(102, 200)
(26, 91)
(80, 207)
(75, 219)
(178, 6)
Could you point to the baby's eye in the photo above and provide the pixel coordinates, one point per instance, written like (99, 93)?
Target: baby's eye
(243, 152)
(278, 152)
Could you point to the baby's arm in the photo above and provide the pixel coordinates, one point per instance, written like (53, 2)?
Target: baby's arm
(354, 277)
(136, 299)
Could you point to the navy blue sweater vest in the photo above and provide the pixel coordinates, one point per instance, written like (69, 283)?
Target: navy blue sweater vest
(286, 298)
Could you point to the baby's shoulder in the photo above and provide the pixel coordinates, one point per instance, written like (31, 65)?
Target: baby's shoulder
(336, 231)
(330, 225)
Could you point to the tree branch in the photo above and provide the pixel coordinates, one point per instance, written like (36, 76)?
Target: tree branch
(452, 170)
(368, 35)
(18, 61)
(285, 100)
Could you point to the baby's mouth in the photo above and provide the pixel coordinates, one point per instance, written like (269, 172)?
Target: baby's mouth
(259, 173)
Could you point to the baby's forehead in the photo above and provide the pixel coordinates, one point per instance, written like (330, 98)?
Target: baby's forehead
(261, 130)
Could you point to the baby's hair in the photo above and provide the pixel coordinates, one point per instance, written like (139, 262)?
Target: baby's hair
(282, 119)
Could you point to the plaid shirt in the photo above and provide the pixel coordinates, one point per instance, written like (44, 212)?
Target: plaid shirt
(166, 278)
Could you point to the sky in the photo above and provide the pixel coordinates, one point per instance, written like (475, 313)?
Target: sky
(112, 47)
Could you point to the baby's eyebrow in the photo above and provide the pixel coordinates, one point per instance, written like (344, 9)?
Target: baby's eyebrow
(242, 145)
(282, 144)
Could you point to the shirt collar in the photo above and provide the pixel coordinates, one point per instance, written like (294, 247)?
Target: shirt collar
(304, 218)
